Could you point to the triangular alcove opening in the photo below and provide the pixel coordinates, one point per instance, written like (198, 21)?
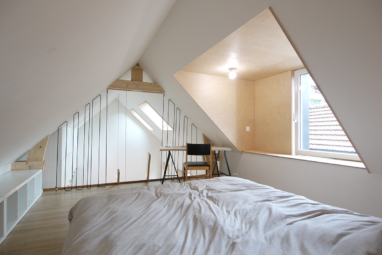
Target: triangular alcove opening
(254, 110)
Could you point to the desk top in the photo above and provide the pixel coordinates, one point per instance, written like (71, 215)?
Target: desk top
(181, 148)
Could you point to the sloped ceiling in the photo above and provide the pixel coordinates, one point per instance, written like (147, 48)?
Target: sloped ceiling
(57, 55)
(338, 42)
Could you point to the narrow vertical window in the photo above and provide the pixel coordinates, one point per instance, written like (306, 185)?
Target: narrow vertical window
(318, 131)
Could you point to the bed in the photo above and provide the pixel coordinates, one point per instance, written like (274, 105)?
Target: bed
(225, 215)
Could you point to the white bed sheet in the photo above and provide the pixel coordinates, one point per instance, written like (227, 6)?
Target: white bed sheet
(225, 215)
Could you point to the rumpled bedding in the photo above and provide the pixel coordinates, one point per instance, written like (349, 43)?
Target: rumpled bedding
(226, 215)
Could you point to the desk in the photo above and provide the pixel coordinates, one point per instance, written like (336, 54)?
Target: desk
(215, 149)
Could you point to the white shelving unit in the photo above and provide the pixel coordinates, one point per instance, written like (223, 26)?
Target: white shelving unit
(19, 190)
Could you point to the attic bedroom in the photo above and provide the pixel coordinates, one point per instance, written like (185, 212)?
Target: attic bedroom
(190, 127)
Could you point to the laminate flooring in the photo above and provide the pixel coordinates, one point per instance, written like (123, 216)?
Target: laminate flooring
(43, 229)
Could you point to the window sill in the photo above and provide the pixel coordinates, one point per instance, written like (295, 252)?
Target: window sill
(330, 161)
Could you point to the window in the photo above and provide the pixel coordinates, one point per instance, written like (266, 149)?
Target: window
(154, 116)
(136, 115)
(318, 132)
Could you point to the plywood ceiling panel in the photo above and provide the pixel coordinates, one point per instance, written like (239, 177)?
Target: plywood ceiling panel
(258, 49)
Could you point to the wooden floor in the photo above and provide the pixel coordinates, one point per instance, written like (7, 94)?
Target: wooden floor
(44, 227)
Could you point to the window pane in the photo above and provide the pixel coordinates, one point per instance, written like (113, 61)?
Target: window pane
(154, 116)
(136, 115)
(319, 128)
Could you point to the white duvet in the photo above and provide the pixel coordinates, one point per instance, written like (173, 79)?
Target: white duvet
(216, 216)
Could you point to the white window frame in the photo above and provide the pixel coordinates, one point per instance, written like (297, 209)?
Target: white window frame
(297, 126)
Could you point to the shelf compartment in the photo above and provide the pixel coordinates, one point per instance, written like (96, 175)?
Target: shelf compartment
(38, 185)
(12, 210)
(31, 191)
(17, 195)
(22, 200)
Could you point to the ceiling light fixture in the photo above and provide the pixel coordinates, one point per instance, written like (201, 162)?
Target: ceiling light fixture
(232, 73)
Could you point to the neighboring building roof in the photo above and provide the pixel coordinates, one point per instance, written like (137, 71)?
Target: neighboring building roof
(325, 133)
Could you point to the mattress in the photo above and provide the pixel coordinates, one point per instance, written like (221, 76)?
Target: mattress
(226, 215)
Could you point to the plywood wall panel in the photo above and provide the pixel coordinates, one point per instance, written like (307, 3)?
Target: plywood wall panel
(245, 111)
(229, 104)
(273, 114)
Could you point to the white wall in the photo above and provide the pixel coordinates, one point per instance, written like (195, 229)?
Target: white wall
(341, 186)
(129, 143)
(129, 146)
(5, 169)
(49, 175)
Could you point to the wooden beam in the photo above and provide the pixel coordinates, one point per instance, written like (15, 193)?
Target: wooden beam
(137, 73)
(136, 86)
(37, 153)
(16, 166)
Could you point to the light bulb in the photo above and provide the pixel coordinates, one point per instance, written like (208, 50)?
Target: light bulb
(232, 73)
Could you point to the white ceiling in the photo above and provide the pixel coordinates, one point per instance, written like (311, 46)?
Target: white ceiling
(57, 55)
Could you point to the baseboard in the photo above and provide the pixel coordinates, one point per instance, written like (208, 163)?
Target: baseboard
(115, 183)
